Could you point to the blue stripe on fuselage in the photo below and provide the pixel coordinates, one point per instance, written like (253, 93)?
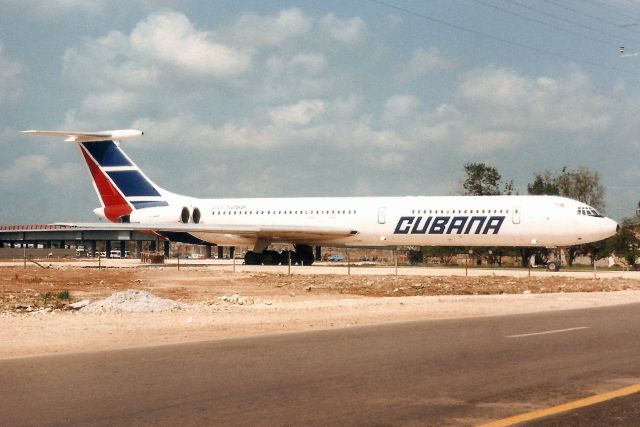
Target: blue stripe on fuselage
(149, 204)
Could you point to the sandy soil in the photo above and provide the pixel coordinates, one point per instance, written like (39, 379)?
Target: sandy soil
(35, 317)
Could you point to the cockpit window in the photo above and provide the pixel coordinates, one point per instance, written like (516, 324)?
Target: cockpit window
(589, 211)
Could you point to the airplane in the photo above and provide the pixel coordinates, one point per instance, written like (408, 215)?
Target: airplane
(132, 201)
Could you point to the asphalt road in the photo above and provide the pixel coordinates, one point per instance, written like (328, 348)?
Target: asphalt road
(448, 372)
(621, 412)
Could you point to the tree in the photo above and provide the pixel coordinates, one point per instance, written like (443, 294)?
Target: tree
(624, 243)
(509, 188)
(581, 184)
(484, 180)
(446, 254)
(544, 183)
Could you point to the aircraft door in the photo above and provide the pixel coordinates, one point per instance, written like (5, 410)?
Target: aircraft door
(515, 216)
(382, 214)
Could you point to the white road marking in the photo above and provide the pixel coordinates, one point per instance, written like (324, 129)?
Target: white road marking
(555, 331)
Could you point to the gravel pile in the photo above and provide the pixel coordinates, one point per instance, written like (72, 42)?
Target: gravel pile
(133, 301)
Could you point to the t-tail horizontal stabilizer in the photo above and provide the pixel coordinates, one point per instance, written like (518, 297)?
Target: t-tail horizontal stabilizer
(116, 135)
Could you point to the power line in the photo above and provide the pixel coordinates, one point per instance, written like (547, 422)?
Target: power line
(621, 12)
(565, 20)
(496, 38)
(578, 12)
(528, 18)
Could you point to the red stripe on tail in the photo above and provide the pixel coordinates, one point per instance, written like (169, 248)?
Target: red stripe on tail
(115, 205)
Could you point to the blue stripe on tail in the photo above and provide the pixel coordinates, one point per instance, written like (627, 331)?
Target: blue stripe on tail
(106, 153)
(132, 184)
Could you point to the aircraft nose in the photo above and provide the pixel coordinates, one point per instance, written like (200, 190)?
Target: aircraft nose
(612, 227)
(607, 228)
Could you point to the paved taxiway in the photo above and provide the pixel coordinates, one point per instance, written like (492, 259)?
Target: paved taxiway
(320, 268)
(435, 373)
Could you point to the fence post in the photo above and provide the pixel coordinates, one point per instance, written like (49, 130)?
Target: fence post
(395, 259)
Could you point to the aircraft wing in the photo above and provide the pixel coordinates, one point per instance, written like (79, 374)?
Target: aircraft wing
(269, 232)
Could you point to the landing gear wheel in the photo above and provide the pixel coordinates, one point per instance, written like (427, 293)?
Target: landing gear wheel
(284, 257)
(305, 254)
(553, 266)
(271, 257)
(252, 258)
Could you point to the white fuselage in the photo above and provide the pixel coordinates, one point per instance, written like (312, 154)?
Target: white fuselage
(543, 221)
(127, 195)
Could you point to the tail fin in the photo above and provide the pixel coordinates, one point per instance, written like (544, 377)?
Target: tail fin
(119, 182)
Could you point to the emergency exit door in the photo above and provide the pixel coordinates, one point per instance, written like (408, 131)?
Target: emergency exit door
(515, 216)
(382, 214)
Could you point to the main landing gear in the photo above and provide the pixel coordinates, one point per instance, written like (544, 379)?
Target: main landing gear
(303, 255)
(553, 266)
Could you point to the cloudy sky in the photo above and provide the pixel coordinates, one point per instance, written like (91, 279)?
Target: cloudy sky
(330, 98)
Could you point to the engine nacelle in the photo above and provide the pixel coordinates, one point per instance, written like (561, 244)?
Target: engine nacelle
(160, 214)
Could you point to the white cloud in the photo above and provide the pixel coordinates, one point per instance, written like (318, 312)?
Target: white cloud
(284, 78)
(38, 169)
(10, 78)
(344, 30)
(309, 62)
(164, 47)
(481, 116)
(346, 106)
(167, 66)
(305, 122)
(400, 106)
(422, 63)
(171, 38)
(58, 8)
(501, 98)
(258, 30)
(186, 130)
(478, 140)
(280, 65)
(108, 62)
(110, 103)
(46, 10)
(298, 114)
(386, 161)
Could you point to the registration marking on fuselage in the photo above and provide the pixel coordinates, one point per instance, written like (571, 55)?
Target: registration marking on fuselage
(554, 331)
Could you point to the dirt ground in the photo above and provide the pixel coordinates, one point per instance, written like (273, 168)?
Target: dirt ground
(39, 288)
(36, 318)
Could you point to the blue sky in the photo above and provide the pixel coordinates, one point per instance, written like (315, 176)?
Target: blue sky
(331, 98)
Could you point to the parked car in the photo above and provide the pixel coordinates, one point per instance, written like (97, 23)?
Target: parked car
(115, 253)
(335, 258)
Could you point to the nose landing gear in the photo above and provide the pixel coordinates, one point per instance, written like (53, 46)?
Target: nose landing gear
(553, 266)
